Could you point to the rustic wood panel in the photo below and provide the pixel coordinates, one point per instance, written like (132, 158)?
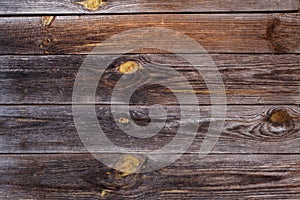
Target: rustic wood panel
(222, 33)
(247, 129)
(258, 153)
(249, 79)
(218, 176)
(16, 7)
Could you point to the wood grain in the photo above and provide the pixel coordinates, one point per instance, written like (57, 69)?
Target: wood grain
(220, 33)
(256, 47)
(80, 176)
(249, 79)
(247, 129)
(16, 7)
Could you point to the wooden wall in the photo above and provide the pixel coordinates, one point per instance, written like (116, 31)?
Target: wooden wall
(256, 47)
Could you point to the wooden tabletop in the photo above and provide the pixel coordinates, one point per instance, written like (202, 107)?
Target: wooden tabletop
(255, 45)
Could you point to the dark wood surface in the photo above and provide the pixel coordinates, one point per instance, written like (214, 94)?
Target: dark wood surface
(245, 33)
(266, 79)
(256, 47)
(13, 7)
(80, 176)
(247, 129)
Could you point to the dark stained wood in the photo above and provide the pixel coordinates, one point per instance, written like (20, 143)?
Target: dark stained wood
(220, 33)
(247, 129)
(249, 79)
(15, 7)
(218, 176)
(256, 47)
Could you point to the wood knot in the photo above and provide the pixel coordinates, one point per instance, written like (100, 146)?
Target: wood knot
(272, 35)
(279, 121)
(45, 43)
(272, 28)
(123, 120)
(129, 164)
(279, 116)
(92, 5)
(47, 20)
(129, 67)
(279, 33)
(123, 175)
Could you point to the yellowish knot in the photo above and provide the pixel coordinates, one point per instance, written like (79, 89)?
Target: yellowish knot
(92, 4)
(129, 67)
(123, 120)
(104, 192)
(280, 116)
(47, 20)
(128, 164)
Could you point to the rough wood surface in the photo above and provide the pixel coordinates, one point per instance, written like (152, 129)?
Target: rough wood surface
(247, 129)
(15, 7)
(249, 79)
(221, 33)
(256, 47)
(218, 176)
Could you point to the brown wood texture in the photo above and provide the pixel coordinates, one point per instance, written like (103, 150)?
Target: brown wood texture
(220, 33)
(247, 129)
(256, 47)
(80, 176)
(30, 7)
(248, 79)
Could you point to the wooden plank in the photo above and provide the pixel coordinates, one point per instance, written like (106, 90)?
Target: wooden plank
(222, 33)
(247, 129)
(16, 7)
(217, 176)
(266, 79)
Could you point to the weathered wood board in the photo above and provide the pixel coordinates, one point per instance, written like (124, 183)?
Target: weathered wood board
(247, 129)
(30, 7)
(80, 176)
(266, 79)
(220, 33)
(255, 45)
